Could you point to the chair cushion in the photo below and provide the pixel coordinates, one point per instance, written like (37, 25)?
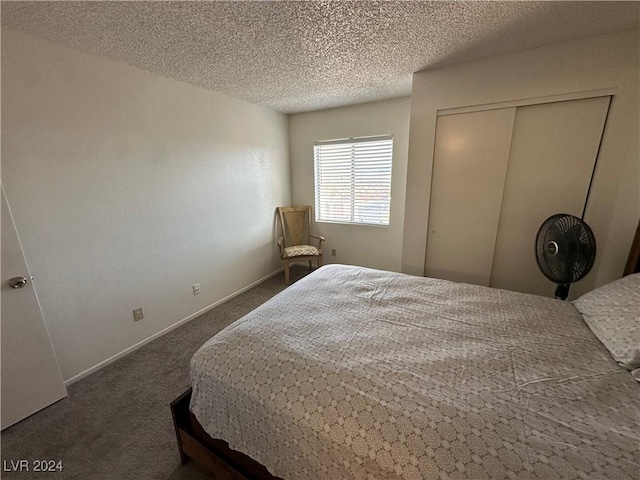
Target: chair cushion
(300, 250)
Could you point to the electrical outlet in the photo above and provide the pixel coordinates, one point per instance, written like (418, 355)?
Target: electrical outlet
(138, 314)
(196, 289)
(333, 252)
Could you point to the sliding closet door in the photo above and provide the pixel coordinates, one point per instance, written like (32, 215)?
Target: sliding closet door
(553, 152)
(470, 164)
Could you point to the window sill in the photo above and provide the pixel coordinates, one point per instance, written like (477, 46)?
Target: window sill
(360, 224)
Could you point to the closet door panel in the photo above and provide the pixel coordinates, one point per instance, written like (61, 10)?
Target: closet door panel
(553, 152)
(470, 164)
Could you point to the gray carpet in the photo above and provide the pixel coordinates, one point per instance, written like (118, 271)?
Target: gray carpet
(116, 423)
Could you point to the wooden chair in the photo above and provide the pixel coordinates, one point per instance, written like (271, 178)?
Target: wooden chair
(295, 243)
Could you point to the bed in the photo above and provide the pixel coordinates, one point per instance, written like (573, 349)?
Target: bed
(360, 373)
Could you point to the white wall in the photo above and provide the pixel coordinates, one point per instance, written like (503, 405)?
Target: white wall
(602, 62)
(370, 246)
(127, 188)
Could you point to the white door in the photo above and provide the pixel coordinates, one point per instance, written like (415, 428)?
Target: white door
(553, 154)
(469, 170)
(31, 378)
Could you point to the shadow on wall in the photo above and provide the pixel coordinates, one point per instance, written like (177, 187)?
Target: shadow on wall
(537, 20)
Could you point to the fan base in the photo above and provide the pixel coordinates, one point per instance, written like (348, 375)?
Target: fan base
(562, 291)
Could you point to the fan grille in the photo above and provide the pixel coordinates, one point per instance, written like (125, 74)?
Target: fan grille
(565, 248)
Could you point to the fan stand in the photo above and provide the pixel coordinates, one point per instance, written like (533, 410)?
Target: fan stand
(562, 291)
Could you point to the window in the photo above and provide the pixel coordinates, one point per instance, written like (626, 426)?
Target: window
(353, 180)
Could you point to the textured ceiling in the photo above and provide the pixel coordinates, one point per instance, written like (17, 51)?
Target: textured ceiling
(300, 56)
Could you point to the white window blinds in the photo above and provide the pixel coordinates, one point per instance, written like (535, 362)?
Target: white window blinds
(353, 180)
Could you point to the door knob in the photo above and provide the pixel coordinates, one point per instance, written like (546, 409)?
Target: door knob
(17, 282)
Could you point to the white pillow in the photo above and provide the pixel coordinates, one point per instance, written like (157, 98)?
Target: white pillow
(613, 314)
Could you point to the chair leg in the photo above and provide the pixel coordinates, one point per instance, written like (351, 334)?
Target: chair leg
(319, 261)
(286, 273)
(310, 266)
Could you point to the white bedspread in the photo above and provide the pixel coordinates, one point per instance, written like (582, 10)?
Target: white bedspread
(359, 373)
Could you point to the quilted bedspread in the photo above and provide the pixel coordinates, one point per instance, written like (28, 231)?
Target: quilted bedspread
(364, 374)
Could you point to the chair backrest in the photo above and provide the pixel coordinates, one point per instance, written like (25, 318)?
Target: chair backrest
(296, 225)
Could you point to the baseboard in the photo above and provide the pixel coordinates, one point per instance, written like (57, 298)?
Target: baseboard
(166, 330)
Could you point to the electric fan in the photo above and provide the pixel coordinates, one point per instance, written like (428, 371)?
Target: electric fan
(565, 250)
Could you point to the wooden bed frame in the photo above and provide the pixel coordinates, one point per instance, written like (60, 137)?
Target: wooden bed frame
(223, 463)
(633, 261)
(213, 455)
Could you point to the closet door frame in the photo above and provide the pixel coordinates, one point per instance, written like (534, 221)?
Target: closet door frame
(524, 102)
(608, 92)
